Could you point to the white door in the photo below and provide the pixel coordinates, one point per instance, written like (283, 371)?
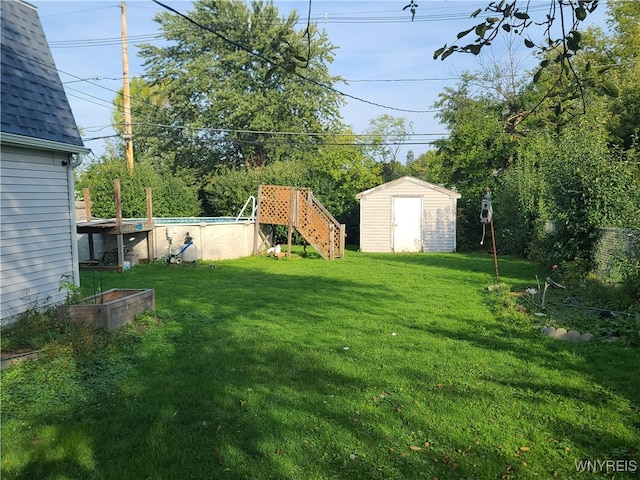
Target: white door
(407, 224)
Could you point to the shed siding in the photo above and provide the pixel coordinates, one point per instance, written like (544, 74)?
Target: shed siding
(439, 232)
(438, 217)
(36, 229)
(375, 221)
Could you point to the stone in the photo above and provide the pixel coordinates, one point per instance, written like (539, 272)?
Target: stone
(572, 336)
(585, 337)
(559, 333)
(548, 330)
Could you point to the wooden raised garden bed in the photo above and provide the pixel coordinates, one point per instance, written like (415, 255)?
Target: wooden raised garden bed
(110, 309)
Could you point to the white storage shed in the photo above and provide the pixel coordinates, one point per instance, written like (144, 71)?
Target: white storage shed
(408, 215)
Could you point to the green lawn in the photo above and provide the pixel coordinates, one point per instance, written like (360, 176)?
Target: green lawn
(368, 367)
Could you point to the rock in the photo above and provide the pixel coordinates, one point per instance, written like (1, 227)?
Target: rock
(548, 330)
(585, 337)
(562, 334)
(572, 336)
(559, 333)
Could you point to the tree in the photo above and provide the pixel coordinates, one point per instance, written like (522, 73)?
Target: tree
(337, 173)
(385, 138)
(558, 44)
(428, 167)
(172, 196)
(230, 77)
(623, 64)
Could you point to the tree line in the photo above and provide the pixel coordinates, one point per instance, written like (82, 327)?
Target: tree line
(236, 96)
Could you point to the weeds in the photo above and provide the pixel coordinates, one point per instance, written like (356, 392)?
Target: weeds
(33, 330)
(625, 327)
(73, 293)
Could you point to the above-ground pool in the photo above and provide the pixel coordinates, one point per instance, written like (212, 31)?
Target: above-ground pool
(214, 238)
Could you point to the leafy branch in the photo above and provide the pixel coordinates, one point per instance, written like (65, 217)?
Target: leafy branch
(513, 17)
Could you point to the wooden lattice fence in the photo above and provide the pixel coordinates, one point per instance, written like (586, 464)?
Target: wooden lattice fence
(298, 208)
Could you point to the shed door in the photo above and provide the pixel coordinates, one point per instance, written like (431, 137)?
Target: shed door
(407, 224)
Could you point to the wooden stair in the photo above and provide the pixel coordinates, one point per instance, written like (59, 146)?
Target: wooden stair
(298, 208)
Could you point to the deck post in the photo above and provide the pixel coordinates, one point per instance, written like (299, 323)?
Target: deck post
(292, 221)
(256, 225)
(119, 236)
(87, 204)
(151, 246)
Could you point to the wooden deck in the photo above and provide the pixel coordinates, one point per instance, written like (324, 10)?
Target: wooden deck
(119, 228)
(116, 226)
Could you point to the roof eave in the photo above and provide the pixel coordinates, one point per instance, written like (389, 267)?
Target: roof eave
(446, 191)
(40, 144)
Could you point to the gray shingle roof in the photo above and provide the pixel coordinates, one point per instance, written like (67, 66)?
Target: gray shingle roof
(33, 102)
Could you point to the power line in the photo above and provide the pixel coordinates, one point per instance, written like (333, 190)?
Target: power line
(272, 132)
(101, 42)
(109, 105)
(283, 67)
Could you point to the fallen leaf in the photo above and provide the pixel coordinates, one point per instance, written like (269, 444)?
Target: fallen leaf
(438, 385)
(415, 448)
(525, 449)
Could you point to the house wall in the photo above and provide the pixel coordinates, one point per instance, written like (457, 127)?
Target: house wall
(36, 233)
(438, 218)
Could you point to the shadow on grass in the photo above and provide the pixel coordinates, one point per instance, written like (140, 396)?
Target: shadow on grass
(559, 375)
(248, 377)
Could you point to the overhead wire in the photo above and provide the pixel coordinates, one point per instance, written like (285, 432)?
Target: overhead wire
(108, 104)
(101, 42)
(284, 67)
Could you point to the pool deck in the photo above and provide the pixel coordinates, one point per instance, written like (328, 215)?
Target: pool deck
(118, 227)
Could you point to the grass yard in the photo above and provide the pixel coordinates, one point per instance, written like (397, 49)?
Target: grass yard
(369, 367)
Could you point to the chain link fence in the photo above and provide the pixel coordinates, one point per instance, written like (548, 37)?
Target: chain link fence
(617, 253)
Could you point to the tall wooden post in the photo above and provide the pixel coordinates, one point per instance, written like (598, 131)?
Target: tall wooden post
(256, 226)
(116, 188)
(128, 130)
(151, 246)
(495, 252)
(293, 212)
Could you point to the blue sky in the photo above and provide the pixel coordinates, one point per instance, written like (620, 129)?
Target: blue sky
(387, 58)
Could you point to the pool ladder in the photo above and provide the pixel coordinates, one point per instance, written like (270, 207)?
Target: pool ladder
(251, 199)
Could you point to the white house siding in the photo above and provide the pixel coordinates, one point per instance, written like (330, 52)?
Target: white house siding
(438, 216)
(36, 230)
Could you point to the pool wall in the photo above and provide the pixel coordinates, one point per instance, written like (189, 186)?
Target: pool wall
(219, 238)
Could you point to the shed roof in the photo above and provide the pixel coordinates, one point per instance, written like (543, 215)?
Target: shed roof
(33, 102)
(405, 179)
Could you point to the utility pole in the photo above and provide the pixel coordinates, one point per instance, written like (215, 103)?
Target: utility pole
(128, 131)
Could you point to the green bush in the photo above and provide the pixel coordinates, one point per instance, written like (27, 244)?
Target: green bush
(173, 196)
